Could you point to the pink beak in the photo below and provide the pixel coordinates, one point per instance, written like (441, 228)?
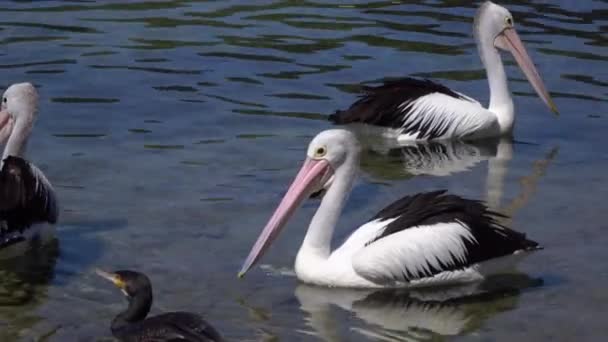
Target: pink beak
(6, 125)
(509, 40)
(308, 179)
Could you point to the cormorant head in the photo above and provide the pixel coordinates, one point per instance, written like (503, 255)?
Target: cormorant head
(129, 282)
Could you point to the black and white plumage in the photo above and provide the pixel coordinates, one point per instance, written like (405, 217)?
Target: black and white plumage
(448, 232)
(415, 109)
(26, 196)
(409, 108)
(27, 199)
(426, 239)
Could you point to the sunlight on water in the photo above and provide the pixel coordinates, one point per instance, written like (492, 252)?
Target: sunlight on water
(171, 129)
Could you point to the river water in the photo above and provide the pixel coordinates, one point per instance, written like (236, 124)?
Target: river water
(171, 130)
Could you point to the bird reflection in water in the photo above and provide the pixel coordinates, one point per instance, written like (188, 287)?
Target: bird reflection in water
(23, 281)
(401, 315)
(389, 160)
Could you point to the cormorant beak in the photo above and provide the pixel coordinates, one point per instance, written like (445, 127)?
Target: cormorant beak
(509, 40)
(114, 278)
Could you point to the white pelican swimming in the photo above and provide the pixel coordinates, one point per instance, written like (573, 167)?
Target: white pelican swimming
(412, 109)
(426, 239)
(27, 199)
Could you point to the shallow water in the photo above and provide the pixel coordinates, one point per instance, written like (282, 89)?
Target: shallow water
(171, 129)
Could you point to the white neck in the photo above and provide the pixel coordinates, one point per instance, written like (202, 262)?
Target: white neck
(17, 142)
(501, 102)
(317, 242)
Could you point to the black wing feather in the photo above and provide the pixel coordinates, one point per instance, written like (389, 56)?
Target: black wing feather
(26, 197)
(383, 105)
(426, 209)
(171, 326)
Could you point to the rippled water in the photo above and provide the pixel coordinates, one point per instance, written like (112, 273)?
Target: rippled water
(171, 129)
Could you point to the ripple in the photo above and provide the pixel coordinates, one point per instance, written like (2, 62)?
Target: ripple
(194, 162)
(456, 75)
(246, 56)
(217, 199)
(75, 29)
(147, 69)
(563, 95)
(210, 141)
(139, 130)
(24, 65)
(83, 100)
(207, 84)
(98, 53)
(574, 54)
(152, 60)
(278, 43)
(297, 20)
(319, 69)
(30, 39)
(123, 6)
(79, 135)
(299, 115)
(164, 147)
(356, 57)
(585, 79)
(244, 80)
(153, 44)
(170, 22)
(300, 96)
(243, 103)
(49, 71)
(409, 45)
(254, 136)
(176, 88)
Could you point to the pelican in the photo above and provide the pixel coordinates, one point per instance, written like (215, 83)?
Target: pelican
(413, 109)
(27, 200)
(426, 239)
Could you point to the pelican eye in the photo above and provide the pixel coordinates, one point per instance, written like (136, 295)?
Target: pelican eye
(320, 152)
(509, 21)
(4, 100)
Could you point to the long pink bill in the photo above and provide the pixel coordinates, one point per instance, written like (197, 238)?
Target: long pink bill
(510, 40)
(6, 126)
(308, 179)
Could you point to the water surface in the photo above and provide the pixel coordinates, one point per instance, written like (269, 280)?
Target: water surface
(171, 129)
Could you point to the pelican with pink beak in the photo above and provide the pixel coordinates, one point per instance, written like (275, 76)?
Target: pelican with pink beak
(431, 238)
(413, 109)
(28, 205)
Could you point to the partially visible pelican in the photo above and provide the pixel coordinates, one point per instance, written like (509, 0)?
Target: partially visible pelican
(27, 200)
(426, 239)
(413, 109)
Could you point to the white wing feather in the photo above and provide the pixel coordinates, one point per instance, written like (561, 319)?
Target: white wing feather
(460, 118)
(409, 254)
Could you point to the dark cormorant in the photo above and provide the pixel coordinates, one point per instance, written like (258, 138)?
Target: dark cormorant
(131, 325)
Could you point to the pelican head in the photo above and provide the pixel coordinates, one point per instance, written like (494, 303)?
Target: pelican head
(19, 103)
(326, 155)
(495, 27)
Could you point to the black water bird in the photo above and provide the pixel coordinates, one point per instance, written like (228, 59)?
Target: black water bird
(132, 325)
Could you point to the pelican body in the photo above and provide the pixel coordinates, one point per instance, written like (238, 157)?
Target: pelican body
(426, 239)
(413, 109)
(28, 205)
